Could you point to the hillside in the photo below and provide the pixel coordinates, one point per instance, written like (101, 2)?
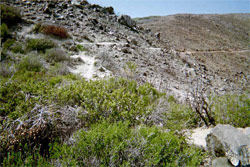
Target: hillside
(202, 32)
(81, 86)
(220, 42)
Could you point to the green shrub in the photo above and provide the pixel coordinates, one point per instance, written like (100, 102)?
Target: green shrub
(17, 48)
(5, 34)
(59, 69)
(30, 63)
(118, 144)
(113, 99)
(80, 48)
(13, 95)
(55, 55)
(10, 15)
(179, 116)
(7, 44)
(232, 109)
(25, 158)
(37, 28)
(40, 44)
(5, 70)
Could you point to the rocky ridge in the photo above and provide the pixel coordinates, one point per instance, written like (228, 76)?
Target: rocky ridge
(114, 41)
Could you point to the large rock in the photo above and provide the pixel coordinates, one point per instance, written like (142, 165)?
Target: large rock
(227, 141)
(221, 162)
(127, 21)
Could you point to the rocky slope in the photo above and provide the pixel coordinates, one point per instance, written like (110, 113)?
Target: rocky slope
(219, 42)
(112, 42)
(95, 43)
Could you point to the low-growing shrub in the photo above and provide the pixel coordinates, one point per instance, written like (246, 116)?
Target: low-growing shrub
(5, 71)
(5, 34)
(232, 109)
(55, 55)
(30, 63)
(180, 116)
(80, 48)
(10, 15)
(17, 48)
(37, 28)
(55, 30)
(118, 144)
(59, 69)
(7, 44)
(113, 100)
(173, 115)
(40, 44)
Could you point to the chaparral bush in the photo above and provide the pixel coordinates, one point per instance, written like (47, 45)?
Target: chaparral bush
(10, 15)
(54, 55)
(40, 44)
(119, 144)
(232, 109)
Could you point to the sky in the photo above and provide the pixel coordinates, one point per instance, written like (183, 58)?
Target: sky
(142, 8)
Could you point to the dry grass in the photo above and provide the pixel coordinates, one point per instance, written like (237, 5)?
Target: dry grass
(38, 128)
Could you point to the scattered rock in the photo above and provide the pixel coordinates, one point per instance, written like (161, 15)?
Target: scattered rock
(101, 69)
(109, 10)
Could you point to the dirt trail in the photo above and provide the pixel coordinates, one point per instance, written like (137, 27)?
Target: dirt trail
(216, 51)
(87, 68)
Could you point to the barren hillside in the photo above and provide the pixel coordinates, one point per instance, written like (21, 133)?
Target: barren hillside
(220, 42)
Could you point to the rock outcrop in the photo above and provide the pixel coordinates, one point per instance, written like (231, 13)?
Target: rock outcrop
(127, 21)
(232, 143)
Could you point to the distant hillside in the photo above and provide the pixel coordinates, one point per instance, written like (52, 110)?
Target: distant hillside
(202, 32)
(219, 42)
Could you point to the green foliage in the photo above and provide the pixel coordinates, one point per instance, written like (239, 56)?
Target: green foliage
(130, 70)
(232, 109)
(4, 32)
(18, 48)
(40, 44)
(59, 69)
(80, 48)
(13, 96)
(55, 55)
(37, 28)
(7, 44)
(30, 63)
(5, 70)
(25, 158)
(179, 116)
(113, 99)
(10, 15)
(118, 144)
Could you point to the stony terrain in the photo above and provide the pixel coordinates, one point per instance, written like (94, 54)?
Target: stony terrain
(99, 45)
(219, 42)
(112, 44)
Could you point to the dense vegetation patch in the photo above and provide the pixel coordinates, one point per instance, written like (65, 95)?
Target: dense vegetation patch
(40, 44)
(55, 55)
(118, 144)
(10, 15)
(232, 109)
(5, 34)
